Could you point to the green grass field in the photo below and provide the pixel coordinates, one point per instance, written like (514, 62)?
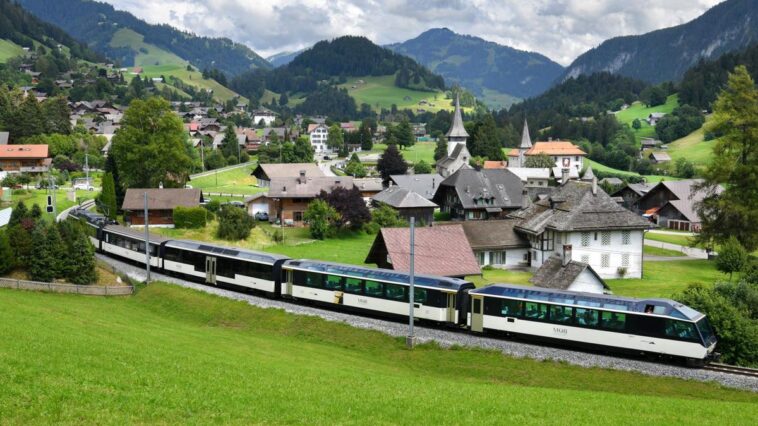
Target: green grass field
(157, 62)
(34, 196)
(693, 147)
(682, 240)
(649, 178)
(641, 112)
(657, 251)
(419, 151)
(664, 279)
(172, 355)
(9, 49)
(381, 92)
(235, 181)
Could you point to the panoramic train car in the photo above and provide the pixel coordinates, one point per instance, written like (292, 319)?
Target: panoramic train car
(223, 266)
(130, 244)
(438, 299)
(94, 222)
(658, 326)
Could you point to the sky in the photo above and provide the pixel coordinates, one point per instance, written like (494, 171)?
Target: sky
(559, 29)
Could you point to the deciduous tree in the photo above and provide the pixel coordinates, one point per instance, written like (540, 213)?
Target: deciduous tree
(321, 218)
(732, 257)
(350, 206)
(540, 161)
(391, 163)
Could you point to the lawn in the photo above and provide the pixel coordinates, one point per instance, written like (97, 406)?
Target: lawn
(35, 196)
(172, 355)
(9, 49)
(234, 181)
(657, 251)
(649, 178)
(664, 279)
(641, 112)
(419, 151)
(693, 147)
(494, 275)
(381, 92)
(682, 240)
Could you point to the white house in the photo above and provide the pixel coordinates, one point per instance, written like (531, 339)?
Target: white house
(318, 134)
(565, 154)
(267, 116)
(601, 233)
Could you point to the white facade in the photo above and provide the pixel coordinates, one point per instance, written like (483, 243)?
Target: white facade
(606, 251)
(569, 161)
(502, 258)
(318, 138)
(587, 282)
(268, 119)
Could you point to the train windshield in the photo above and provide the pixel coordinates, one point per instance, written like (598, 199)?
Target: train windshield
(706, 331)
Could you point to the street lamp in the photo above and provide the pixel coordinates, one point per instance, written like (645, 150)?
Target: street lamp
(410, 341)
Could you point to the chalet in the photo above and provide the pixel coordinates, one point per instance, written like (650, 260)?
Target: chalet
(24, 158)
(672, 204)
(561, 273)
(419, 129)
(348, 127)
(281, 134)
(425, 185)
(631, 193)
(391, 250)
(264, 173)
(565, 154)
(649, 143)
(265, 116)
(407, 203)
(496, 243)
(470, 194)
(161, 203)
(318, 135)
(602, 233)
(368, 187)
(655, 117)
(257, 203)
(289, 196)
(659, 157)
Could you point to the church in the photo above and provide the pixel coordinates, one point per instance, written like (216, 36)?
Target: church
(457, 154)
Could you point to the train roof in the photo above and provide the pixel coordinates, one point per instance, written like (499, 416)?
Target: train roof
(665, 307)
(378, 274)
(89, 216)
(255, 256)
(133, 233)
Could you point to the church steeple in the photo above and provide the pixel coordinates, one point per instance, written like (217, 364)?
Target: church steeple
(526, 145)
(457, 133)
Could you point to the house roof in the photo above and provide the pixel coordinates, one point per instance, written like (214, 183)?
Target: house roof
(306, 187)
(660, 156)
(638, 188)
(524, 173)
(314, 126)
(276, 170)
(369, 184)
(438, 250)
(425, 185)
(588, 174)
(555, 148)
(680, 190)
(457, 130)
(495, 164)
(573, 207)
(526, 140)
(460, 152)
(161, 198)
(503, 187)
(493, 234)
(402, 198)
(255, 197)
(552, 273)
(24, 151)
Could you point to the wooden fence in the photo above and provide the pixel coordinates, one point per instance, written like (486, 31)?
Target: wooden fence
(92, 290)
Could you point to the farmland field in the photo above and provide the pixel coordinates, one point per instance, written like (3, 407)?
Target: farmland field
(639, 111)
(9, 49)
(693, 147)
(172, 355)
(381, 92)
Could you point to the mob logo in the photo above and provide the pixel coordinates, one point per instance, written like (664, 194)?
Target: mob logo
(559, 330)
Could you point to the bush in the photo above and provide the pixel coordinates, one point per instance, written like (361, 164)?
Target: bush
(213, 206)
(441, 216)
(234, 223)
(190, 217)
(278, 236)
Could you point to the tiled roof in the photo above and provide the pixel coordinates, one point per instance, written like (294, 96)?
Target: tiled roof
(306, 187)
(555, 148)
(495, 164)
(438, 250)
(161, 198)
(402, 198)
(368, 184)
(24, 151)
(493, 234)
(504, 187)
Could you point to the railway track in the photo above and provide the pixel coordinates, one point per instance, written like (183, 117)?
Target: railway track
(732, 369)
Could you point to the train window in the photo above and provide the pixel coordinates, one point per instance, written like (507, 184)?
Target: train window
(613, 320)
(511, 308)
(374, 288)
(313, 279)
(560, 314)
(586, 317)
(353, 285)
(333, 282)
(706, 331)
(680, 330)
(536, 311)
(419, 295)
(395, 292)
(477, 306)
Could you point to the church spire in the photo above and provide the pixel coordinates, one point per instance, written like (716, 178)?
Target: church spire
(526, 140)
(457, 130)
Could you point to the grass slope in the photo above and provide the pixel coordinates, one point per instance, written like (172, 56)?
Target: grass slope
(39, 197)
(649, 178)
(171, 355)
(381, 92)
(657, 251)
(664, 279)
(157, 62)
(693, 147)
(9, 49)
(235, 181)
(640, 111)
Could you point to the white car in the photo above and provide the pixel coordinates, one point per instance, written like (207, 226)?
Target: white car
(84, 186)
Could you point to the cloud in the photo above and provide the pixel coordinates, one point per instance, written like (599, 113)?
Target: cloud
(559, 29)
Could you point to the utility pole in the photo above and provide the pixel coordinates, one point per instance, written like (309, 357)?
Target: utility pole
(55, 202)
(147, 243)
(410, 341)
(202, 154)
(86, 167)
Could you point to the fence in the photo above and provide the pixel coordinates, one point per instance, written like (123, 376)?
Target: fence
(92, 290)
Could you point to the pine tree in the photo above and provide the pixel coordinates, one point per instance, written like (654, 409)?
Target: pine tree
(7, 257)
(110, 167)
(440, 149)
(57, 250)
(229, 146)
(18, 213)
(42, 265)
(108, 196)
(83, 270)
(391, 163)
(36, 212)
(404, 133)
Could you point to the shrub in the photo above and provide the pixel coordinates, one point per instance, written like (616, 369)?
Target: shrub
(441, 216)
(234, 223)
(386, 217)
(278, 236)
(190, 217)
(213, 206)
(321, 218)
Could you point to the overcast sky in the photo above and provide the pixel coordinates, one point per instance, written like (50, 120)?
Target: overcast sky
(560, 29)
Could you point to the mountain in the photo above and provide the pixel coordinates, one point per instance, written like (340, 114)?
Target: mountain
(666, 54)
(493, 72)
(283, 58)
(98, 23)
(19, 29)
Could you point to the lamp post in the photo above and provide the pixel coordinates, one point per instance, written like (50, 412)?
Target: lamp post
(410, 341)
(147, 244)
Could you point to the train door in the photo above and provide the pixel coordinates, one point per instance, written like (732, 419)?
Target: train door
(210, 270)
(477, 313)
(288, 285)
(451, 308)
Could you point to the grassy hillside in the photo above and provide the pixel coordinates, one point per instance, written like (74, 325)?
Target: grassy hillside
(650, 178)
(381, 92)
(9, 49)
(693, 147)
(171, 355)
(639, 111)
(157, 62)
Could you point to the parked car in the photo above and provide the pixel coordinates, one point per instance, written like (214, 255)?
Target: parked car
(239, 204)
(261, 216)
(84, 186)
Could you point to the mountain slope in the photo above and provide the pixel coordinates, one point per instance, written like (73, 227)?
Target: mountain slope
(97, 23)
(481, 66)
(283, 58)
(667, 54)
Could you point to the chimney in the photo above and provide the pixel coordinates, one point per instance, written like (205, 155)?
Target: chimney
(550, 139)
(468, 189)
(302, 173)
(432, 183)
(594, 185)
(566, 254)
(564, 176)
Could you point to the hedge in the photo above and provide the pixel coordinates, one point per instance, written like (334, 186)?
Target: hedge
(190, 217)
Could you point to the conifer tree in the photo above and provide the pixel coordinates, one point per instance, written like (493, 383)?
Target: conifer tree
(82, 270)
(7, 257)
(108, 196)
(440, 149)
(18, 213)
(42, 265)
(391, 163)
(36, 212)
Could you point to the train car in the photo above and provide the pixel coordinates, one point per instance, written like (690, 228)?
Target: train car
(438, 299)
(129, 244)
(224, 266)
(93, 223)
(649, 326)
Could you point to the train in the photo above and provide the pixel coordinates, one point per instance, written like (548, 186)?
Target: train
(660, 328)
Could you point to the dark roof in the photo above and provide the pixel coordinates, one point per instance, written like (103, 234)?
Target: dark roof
(161, 198)
(233, 252)
(552, 273)
(454, 156)
(306, 187)
(660, 156)
(439, 250)
(287, 170)
(457, 130)
(500, 184)
(573, 207)
(667, 307)
(638, 188)
(493, 234)
(425, 185)
(368, 184)
(402, 198)
(682, 191)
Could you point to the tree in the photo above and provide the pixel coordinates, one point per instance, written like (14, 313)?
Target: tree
(335, 140)
(36, 212)
(440, 148)
(540, 161)
(732, 257)
(636, 124)
(486, 140)
(303, 150)
(214, 160)
(233, 223)
(355, 168)
(365, 134)
(391, 163)
(404, 133)
(229, 145)
(150, 148)
(82, 270)
(321, 218)
(422, 167)
(386, 217)
(683, 168)
(17, 214)
(350, 206)
(43, 265)
(108, 201)
(7, 256)
(733, 212)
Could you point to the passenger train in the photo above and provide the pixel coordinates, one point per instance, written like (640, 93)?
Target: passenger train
(658, 327)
